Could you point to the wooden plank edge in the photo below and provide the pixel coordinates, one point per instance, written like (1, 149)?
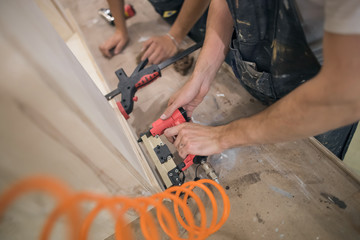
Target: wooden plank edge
(334, 159)
(149, 174)
(61, 11)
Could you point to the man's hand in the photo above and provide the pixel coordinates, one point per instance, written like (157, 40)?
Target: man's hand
(218, 34)
(195, 139)
(117, 42)
(188, 97)
(158, 49)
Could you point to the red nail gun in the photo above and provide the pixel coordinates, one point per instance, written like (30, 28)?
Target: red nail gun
(163, 159)
(178, 117)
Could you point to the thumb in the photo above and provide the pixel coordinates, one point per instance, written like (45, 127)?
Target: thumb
(169, 111)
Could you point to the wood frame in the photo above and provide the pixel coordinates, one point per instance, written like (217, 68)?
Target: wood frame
(55, 121)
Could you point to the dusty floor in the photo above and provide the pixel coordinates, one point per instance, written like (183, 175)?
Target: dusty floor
(278, 191)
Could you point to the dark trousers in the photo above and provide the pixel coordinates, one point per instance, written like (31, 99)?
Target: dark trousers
(169, 10)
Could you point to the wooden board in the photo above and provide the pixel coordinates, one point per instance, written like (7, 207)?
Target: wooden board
(55, 14)
(162, 168)
(278, 191)
(55, 121)
(353, 154)
(79, 48)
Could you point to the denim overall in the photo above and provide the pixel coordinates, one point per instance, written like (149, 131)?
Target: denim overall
(272, 57)
(169, 10)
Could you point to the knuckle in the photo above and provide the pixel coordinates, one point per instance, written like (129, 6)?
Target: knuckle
(186, 149)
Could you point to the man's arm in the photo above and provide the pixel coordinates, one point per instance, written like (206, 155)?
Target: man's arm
(119, 39)
(329, 100)
(190, 13)
(160, 48)
(218, 34)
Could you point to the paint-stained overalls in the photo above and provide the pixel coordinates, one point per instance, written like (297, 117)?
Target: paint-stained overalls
(272, 57)
(169, 10)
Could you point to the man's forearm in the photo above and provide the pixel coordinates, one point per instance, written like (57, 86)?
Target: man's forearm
(216, 45)
(117, 11)
(328, 101)
(190, 13)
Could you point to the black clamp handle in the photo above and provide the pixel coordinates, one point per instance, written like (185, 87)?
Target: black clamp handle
(128, 86)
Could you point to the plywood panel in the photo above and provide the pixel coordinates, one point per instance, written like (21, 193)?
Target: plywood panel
(352, 157)
(79, 48)
(55, 121)
(54, 13)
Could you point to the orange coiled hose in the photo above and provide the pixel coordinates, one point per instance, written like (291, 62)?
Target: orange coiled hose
(68, 204)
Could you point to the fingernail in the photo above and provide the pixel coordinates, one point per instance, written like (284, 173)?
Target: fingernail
(163, 117)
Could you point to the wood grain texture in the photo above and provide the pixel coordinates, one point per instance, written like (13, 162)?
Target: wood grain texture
(55, 14)
(55, 121)
(352, 157)
(276, 191)
(82, 53)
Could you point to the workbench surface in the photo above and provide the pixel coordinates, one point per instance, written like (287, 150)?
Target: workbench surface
(289, 190)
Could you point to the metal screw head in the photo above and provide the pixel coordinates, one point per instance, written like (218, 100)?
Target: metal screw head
(176, 170)
(169, 158)
(170, 174)
(177, 179)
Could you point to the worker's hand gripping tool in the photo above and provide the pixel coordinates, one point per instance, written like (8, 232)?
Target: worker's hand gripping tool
(178, 117)
(141, 76)
(163, 159)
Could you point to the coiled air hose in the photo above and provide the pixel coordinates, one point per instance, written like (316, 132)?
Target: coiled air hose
(68, 204)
